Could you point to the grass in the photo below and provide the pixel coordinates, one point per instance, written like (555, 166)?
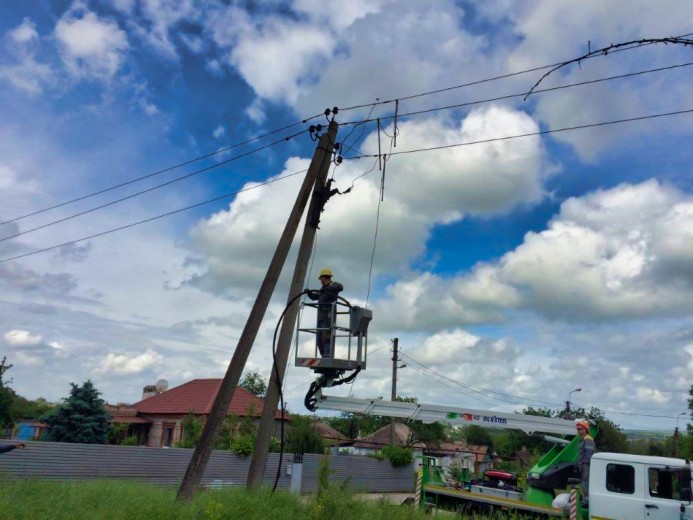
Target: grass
(116, 500)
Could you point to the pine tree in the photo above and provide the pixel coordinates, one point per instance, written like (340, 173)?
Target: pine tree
(82, 417)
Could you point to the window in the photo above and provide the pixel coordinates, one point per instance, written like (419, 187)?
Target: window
(664, 483)
(620, 478)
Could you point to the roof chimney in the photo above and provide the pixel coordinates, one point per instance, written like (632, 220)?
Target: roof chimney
(149, 391)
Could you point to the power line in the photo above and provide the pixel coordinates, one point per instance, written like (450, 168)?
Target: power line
(469, 143)
(487, 80)
(156, 187)
(530, 134)
(480, 391)
(521, 94)
(156, 217)
(164, 170)
(527, 399)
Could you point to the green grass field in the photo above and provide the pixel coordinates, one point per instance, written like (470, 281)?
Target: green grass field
(119, 500)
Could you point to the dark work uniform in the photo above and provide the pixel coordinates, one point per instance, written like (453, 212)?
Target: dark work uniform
(585, 452)
(325, 296)
(7, 447)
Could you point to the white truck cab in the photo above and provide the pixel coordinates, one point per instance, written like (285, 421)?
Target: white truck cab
(637, 487)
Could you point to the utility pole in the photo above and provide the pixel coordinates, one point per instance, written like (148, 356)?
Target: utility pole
(395, 360)
(320, 166)
(203, 450)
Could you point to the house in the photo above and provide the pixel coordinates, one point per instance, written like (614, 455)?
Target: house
(157, 419)
(30, 429)
(329, 435)
(379, 439)
(483, 459)
(448, 453)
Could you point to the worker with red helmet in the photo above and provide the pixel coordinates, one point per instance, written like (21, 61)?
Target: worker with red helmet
(585, 451)
(325, 296)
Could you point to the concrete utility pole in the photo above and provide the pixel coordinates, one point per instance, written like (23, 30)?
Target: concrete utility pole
(395, 360)
(320, 166)
(203, 450)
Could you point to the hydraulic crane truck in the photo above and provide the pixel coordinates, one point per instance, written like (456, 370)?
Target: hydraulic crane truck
(622, 486)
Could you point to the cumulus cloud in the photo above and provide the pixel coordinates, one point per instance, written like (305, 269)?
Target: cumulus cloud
(550, 32)
(91, 47)
(621, 253)
(488, 179)
(24, 33)
(22, 338)
(122, 364)
(19, 65)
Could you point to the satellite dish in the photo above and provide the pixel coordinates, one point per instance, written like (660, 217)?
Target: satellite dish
(161, 385)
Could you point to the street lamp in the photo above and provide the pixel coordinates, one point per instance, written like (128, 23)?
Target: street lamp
(567, 403)
(677, 419)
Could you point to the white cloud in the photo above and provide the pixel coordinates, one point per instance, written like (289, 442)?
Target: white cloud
(22, 338)
(21, 68)
(483, 180)
(121, 364)
(219, 132)
(650, 396)
(91, 46)
(625, 252)
(24, 33)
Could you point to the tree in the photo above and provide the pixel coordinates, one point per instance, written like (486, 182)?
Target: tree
(477, 435)
(192, 429)
(7, 398)
(302, 438)
(254, 383)
(81, 418)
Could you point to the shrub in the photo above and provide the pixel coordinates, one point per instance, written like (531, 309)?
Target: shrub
(129, 441)
(398, 455)
(243, 445)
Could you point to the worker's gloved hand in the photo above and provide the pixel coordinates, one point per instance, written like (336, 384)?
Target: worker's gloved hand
(306, 291)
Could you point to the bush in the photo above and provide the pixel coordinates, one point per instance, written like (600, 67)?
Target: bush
(243, 445)
(129, 441)
(398, 455)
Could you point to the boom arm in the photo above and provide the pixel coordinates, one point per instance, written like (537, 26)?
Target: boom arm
(429, 413)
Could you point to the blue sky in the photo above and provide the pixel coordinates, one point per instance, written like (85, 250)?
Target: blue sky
(529, 266)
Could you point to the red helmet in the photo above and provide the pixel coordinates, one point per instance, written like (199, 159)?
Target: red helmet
(583, 424)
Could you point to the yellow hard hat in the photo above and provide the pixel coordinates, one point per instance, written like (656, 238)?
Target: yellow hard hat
(325, 272)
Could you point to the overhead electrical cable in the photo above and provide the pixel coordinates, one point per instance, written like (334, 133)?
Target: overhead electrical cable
(469, 143)
(480, 390)
(518, 95)
(530, 134)
(164, 170)
(156, 187)
(470, 387)
(487, 80)
(156, 217)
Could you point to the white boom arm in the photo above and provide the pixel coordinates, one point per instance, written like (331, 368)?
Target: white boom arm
(429, 413)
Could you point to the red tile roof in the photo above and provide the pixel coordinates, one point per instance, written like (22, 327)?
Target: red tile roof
(197, 396)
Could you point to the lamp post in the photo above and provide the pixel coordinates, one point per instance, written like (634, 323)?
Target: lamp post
(567, 403)
(677, 435)
(677, 419)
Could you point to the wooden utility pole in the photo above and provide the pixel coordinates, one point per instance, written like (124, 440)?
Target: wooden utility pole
(395, 360)
(203, 450)
(320, 165)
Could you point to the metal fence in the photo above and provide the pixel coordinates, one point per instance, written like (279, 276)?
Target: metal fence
(63, 461)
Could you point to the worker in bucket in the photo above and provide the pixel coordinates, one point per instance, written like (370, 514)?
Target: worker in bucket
(325, 296)
(585, 452)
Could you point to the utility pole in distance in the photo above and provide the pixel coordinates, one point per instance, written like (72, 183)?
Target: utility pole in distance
(395, 360)
(320, 165)
(203, 450)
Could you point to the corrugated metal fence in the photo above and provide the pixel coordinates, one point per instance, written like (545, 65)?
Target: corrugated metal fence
(54, 460)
